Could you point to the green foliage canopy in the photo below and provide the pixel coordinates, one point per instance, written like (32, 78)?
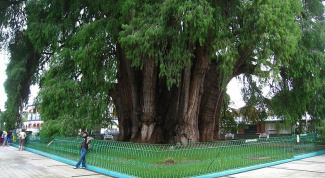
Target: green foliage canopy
(278, 41)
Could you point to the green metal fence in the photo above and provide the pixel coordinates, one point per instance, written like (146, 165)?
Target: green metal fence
(147, 160)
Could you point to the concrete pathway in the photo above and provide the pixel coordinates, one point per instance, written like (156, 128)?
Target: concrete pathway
(304, 168)
(16, 163)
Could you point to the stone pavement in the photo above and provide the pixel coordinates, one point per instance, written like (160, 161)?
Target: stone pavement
(16, 163)
(304, 168)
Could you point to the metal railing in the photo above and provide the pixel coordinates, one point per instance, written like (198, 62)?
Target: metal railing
(172, 160)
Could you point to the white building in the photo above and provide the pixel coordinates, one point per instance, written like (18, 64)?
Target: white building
(32, 120)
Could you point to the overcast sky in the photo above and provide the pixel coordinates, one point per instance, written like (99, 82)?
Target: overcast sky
(233, 90)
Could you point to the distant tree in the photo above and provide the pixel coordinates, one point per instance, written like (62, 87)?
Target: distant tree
(228, 115)
(227, 122)
(301, 90)
(20, 72)
(321, 130)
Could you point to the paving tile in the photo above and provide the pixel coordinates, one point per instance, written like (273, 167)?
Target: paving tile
(304, 168)
(16, 163)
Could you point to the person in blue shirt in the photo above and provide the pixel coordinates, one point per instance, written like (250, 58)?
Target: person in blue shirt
(84, 149)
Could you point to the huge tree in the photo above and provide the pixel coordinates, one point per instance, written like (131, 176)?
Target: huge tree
(165, 64)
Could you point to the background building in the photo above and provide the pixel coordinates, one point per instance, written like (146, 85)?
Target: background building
(32, 120)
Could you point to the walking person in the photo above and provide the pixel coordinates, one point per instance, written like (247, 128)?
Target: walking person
(9, 138)
(84, 149)
(1, 138)
(4, 138)
(22, 136)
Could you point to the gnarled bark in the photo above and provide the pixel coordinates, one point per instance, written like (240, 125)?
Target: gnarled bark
(187, 130)
(211, 105)
(149, 102)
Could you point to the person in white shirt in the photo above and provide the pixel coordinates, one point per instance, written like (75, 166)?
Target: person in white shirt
(22, 136)
(4, 138)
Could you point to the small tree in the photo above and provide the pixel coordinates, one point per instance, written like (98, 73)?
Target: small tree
(250, 114)
(321, 130)
(228, 123)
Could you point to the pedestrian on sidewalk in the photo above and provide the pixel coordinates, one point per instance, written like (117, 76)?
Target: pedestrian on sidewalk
(22, 136)
(1, 138)
(9, 138)
(84, 149)
(4, 138)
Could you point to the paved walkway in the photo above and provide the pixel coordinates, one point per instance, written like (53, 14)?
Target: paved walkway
(24, 164)
(16, 163)
(304, 168)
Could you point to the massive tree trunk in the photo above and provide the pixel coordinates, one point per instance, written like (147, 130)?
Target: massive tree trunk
(149, 112)
(166, 116)
(212, 99)
(210, 109)
(149, 102)
(122, 97)
(187, 129)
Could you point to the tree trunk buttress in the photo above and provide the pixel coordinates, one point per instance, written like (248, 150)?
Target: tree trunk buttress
(187, 130)
(123, 97)
(149, 99)
(211, 103)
